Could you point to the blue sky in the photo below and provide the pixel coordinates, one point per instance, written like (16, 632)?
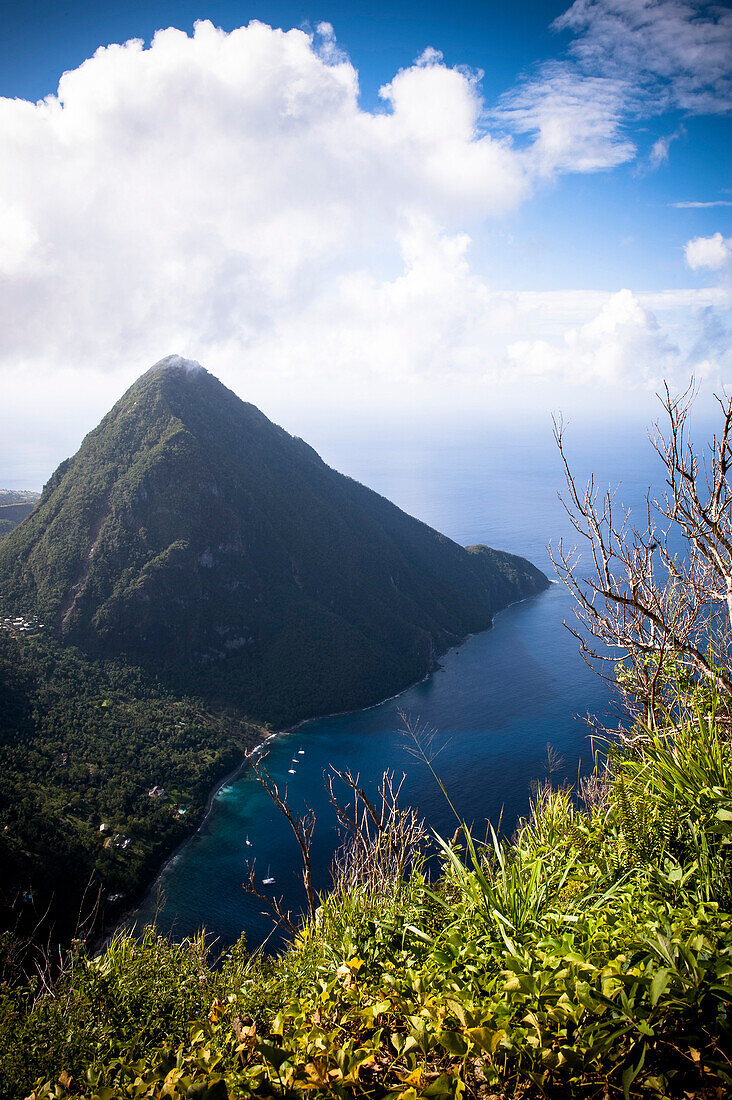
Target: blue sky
(42, 39)
(448, 204)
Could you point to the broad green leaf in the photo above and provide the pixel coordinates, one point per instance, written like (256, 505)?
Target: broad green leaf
(659, 984)
(274, 1055)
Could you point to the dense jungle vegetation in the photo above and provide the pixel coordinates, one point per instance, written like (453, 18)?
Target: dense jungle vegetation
(81, 745)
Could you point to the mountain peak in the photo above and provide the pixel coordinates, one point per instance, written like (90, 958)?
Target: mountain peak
(178, 363)
(192, 534)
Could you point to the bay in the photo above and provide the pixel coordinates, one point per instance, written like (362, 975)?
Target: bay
(494, 704)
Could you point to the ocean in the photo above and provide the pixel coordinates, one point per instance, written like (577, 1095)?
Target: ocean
(493, 706)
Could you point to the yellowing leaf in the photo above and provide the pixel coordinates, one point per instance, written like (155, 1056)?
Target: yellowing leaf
(485, 1038)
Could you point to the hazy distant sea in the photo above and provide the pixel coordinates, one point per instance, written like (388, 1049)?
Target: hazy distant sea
(496, 701)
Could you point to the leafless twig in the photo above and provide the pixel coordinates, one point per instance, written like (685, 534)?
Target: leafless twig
(645, 604)
(303, 828)
(381, 838)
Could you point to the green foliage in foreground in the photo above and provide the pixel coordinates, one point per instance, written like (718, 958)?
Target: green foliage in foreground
(591, 956)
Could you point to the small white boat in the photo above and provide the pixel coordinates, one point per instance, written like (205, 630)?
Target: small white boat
(295, 760)
(301, 752)
(291, 771)
(268, 880)
(248, 842)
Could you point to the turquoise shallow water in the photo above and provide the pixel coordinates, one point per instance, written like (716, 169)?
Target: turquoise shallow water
(495, 702)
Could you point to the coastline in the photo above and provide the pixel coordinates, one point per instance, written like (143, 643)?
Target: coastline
(153, 889)
(128, 918)
(434, 666)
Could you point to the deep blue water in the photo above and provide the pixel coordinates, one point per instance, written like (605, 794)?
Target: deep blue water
(495, 702)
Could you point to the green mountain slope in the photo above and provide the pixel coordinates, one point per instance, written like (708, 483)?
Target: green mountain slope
(192, 534)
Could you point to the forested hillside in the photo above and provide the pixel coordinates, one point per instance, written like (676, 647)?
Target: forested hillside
(589, 957)
(82, 745)
(191, 567)
(195, 537)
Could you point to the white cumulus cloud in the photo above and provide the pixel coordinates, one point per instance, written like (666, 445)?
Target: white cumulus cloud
(190, 193)
(666, 52)
(623, 344)
(695, 204)
(627, 59)
(713, 252)
(660, 149)
(575, 120)
(226, 196)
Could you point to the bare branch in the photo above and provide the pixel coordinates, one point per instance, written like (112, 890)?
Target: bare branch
(643, 604)
(272, 904)
(382, 839)
(302, 827)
